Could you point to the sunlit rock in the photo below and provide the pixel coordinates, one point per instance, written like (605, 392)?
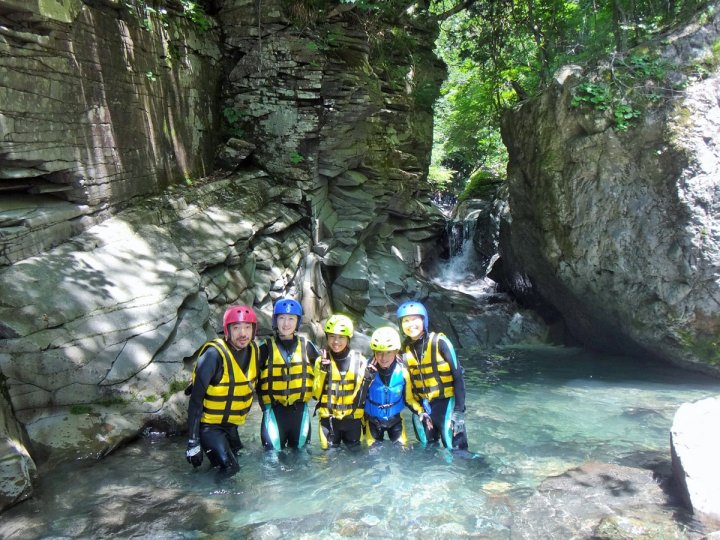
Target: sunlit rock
(695, 445)
(615, 226)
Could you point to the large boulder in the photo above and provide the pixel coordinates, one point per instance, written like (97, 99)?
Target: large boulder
(695, 445)
(619, 229)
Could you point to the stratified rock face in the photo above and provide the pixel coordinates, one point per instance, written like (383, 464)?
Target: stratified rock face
(100, 331)
(620, 230)
(695, 449)
(97, 105)
(346, 117)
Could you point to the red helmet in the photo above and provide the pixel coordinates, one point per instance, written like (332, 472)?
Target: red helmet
(238, 314)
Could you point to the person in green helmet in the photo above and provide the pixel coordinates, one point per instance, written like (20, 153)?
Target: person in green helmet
(389, 391)
(339, 375)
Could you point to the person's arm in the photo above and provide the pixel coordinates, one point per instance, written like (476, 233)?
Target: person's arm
(412, 403)
(206, 371)
(320, 372)
(264, 352)
(448, 353)
(368, 377)
(209, 365)
(312, 351)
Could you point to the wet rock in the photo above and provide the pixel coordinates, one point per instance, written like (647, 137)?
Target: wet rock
(695, 448)
(17, 468)
(233, 153)
(600, 499)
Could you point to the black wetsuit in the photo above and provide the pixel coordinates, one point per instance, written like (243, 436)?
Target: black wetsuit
(439, 406)
(289, 421)
(220, 442)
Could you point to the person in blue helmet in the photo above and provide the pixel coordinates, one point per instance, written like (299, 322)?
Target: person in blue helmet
(389, 391)
(436, 376)
(286, 380)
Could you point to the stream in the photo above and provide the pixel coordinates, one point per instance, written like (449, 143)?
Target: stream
(532, 413)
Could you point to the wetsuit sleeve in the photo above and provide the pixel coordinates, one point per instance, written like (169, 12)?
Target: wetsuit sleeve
(412, 403)
(358, 399)
(312, 351)
(207, 370)
(365, 382)
(448, 353)
(319, 379)
(263, 356)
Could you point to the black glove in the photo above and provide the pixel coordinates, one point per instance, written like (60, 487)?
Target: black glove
(370, 372)
(194, 454)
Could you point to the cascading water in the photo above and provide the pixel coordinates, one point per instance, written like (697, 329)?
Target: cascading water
(461, 271)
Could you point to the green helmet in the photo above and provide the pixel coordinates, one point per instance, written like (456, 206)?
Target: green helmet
(385, 339)
(339, 324)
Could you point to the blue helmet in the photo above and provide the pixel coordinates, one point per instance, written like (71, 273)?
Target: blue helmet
(413, 308)
(286, 306)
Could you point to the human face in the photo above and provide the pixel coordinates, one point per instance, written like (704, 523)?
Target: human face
(337, 343)
(286, 325)
(385, 358)
(240, 334)
(413, 326)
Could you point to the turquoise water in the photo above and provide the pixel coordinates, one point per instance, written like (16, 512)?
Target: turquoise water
(532, 413)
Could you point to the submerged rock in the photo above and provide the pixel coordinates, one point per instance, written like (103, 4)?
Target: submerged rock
(600, 500)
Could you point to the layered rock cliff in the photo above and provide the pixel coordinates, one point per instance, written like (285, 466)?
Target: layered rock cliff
(120, 250)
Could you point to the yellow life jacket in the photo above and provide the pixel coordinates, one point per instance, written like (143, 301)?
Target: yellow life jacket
(286, 382)
(229, 400)
(432, 376)
(343, 389)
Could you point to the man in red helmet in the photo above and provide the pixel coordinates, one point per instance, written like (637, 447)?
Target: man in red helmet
(222, 391)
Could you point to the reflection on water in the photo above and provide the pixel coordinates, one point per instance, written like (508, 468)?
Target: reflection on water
(531, 414)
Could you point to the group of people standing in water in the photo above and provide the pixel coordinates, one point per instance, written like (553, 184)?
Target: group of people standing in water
(354, 396)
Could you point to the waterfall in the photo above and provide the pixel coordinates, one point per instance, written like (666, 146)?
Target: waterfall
(462, 271)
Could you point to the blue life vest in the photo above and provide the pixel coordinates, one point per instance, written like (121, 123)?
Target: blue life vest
(384, 402)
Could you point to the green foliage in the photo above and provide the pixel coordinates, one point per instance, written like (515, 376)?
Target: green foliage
(634, 83)
(232, 119)
(80, 408)
(194, 12)
(624, 116)
(175, 387)
(597, 96)
(706, 347)
(499, 53)
(440, 176)
(479, 185)
(296, 157)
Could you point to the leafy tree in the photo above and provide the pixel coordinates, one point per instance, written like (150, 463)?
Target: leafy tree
(499, 52)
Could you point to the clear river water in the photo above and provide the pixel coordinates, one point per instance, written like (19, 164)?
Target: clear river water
(532, 413)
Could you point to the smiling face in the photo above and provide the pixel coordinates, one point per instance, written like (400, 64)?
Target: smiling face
(413, 326)
(337, 343)
(384, 358)
(286, 325)
(240, 335)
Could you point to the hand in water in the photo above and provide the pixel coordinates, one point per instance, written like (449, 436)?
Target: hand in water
(194, 454)
(425, 419)
(457, 421)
